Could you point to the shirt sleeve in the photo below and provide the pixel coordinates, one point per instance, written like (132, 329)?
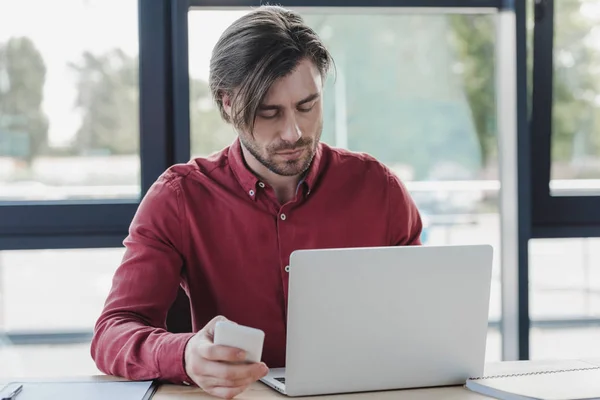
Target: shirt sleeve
(405, 224)
(130, 337)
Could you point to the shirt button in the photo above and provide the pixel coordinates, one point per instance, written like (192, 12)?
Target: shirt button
(287, 268)
(283, 217)
(251, 192)
(262, 185)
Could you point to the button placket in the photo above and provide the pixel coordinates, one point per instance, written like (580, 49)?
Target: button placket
(285, 230)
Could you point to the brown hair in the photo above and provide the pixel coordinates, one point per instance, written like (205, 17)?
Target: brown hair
(256, 50)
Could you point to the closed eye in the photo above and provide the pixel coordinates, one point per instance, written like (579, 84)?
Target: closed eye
(306, 109)
(268, 114)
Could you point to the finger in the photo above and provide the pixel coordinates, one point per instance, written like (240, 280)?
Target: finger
(216, 352)
(234, 372)
(209, 329)
(260, 371)
(211, 381)
(225, 392)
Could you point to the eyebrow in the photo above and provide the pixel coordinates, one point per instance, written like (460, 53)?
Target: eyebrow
(305, 100)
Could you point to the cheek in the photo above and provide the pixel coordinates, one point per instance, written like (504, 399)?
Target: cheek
(310, 123)
(265, 133)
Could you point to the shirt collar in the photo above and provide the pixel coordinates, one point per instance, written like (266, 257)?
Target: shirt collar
(249, 181)
(310, 178)
(245, 177)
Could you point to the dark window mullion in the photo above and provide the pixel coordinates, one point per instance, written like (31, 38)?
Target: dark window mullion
(156, 116)
(181, 82)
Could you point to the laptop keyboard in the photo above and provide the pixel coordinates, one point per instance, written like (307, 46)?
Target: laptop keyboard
(282, 380)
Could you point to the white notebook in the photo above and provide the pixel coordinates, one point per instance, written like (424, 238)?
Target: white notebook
(88, 390)
(566, 384)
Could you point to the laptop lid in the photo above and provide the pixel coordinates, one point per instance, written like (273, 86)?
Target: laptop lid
(364, 319)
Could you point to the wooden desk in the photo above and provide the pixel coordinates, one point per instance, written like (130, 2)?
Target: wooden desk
(259, 391)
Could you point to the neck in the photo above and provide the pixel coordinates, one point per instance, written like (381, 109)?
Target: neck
(284, 186)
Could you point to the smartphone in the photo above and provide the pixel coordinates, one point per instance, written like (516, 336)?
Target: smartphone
(242, 337)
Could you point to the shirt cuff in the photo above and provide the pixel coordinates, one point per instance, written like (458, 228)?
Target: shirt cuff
(171, 359)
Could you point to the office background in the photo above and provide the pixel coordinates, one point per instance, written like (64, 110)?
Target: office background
(489, 110)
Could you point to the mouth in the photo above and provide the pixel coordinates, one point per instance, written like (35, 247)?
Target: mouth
(291, 154)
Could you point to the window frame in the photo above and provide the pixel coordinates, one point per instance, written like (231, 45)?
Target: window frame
(165, 139)
(497, 4)
(552, 216)
(515, 324)
(33, 225)
(104, 223)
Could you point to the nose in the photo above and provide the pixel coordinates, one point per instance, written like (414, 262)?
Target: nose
(291, 131)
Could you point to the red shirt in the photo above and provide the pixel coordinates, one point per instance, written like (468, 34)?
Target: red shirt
(212, 227)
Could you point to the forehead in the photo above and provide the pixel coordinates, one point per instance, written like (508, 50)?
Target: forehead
(303, 81)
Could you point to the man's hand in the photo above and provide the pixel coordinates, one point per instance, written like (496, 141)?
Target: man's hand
(219, 370)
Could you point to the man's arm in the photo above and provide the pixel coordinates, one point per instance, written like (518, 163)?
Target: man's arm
(405, 224)
(130, 337)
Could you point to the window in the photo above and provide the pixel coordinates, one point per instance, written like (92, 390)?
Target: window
(52, 297)
(564, 297)
(69, 100)
(576, 98)
(565, 119)
(417, 91)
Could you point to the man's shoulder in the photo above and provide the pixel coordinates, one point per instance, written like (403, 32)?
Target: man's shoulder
(349, 161)
(196, 169)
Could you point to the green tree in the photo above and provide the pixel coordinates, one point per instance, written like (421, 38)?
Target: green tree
(576, 84)
(107, 97)
(576, 119)
(23, 123)
(473, 40)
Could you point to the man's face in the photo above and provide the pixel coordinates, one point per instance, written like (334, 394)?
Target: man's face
(289, 122)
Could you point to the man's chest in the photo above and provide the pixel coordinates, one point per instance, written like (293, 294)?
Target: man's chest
(236, 261)
(244, 246)
(243, 239)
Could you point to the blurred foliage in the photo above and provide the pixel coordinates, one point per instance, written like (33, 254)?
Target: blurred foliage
(23, 124)
(415, 90)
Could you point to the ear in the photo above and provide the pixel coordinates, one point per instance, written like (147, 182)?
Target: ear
(226, 100)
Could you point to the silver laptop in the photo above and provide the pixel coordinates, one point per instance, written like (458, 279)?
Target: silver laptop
(367, 319)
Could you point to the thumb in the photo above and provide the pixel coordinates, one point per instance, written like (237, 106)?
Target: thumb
(209, 329)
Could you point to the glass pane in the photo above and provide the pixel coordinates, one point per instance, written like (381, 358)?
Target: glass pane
(51, 292)
(564, 276)
(576, 100)
(54, 290)
(493, 351)
(69, 100)
(415, 91)
(564, 343)
(564, 297)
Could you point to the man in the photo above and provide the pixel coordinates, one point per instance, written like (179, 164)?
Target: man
(224, 227)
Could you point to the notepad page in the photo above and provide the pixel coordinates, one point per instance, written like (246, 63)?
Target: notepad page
(569, 385)
(84, 390)
(592, 361)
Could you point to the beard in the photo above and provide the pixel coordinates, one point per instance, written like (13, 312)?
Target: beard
(267, 156)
